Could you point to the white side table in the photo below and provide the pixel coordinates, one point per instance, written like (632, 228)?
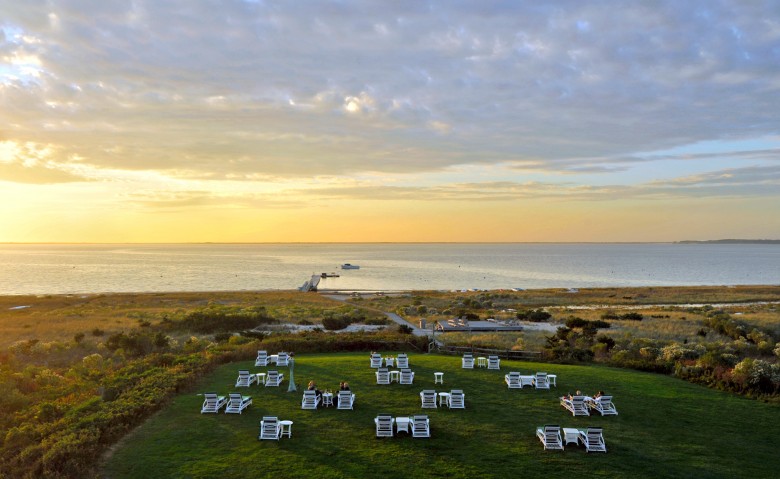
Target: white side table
(553, 378)
(570, 435)
(327, 399)
(481, 362)
(438, 378)
(260, 378)
(402, 424)
(287, 428)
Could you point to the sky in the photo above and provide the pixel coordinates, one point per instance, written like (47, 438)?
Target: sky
(377, 121)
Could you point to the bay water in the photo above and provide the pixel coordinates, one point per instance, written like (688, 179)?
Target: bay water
(96, 268)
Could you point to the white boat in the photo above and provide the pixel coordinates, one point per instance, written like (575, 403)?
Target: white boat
(349, 266)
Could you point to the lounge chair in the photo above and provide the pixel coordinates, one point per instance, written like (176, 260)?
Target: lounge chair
(593, 440)
(550, 436)
(467, 361)
(270, 428)
(456, 399)
(541, 381)
(376, 360)
(274, 378)
(421, 427)
(212, 403)
(346, 400)
(493, 362)
(384, 425)
(310, 400)
(575, 405)
(245, 379)
(282, 359)
(604, 405)
(428, 398)
(512, 380)
(407, 376)
(262, 358)
(402, 361)
(382, 376)
(237, 403)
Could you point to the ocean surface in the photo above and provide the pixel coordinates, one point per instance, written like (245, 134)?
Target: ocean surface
(58, 269)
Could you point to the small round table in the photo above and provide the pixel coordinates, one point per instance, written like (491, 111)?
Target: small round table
(438, 378)
(481, 362)
(327, 399)
(260, 378)
(443, 398)
(286, 428)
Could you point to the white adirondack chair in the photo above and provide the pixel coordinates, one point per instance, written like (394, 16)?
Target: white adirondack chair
(541, 381)
(550, 436)
(376, 360)
(456, 399)
(212, 403)
(407, 376)
(310, 400)
(428, 397)
(245, 379)
(270, 428)
(493, 362)
(604, 405)
(593, 440)
(262, 358)
(421, 427)
(282, 359)
(346, 399)
(382, 376)
(512, 380)
(402, 361)
(575, 405)
(274, 378)
(384, 425)
(467, 361)
(237, 403)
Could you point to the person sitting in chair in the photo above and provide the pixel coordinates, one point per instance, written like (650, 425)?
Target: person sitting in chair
(313, 387)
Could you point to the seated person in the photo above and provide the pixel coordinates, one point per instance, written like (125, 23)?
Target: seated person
(313, 387)
(344, 386)
(597, 396)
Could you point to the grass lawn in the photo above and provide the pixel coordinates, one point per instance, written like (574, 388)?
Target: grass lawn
(666, 428)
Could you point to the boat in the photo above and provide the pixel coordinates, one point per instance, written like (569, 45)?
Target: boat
(329, 275)
(349, 266)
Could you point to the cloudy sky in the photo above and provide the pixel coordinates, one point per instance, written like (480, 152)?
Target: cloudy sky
(257, 121)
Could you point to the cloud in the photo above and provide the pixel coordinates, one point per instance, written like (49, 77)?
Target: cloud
(351, 87)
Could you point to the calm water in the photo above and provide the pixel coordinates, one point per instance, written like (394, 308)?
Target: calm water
(52, 269)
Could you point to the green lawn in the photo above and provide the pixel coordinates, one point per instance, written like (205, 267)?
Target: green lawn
(666, 428)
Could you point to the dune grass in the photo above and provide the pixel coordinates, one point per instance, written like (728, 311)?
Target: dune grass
(666, 428)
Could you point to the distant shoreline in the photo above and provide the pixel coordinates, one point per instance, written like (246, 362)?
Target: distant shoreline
(731, 241)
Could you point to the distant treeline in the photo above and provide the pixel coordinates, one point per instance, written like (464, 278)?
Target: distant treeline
(732, 241)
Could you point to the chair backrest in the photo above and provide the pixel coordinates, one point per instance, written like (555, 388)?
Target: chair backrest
(457, 399)
(234, 399)
(309, 400)
(211, 402)
(541, 381)
(468, 361)
(552, 434)
(402, 361)
(594, 440)
(282, 359)
(269, 428)
(383, 376)
(428, 397)
(493, 362)
(262, 358)
(345, 399)
(605, 401)
(376, 361)
(384, 425)
(272, 378)
(420, 426)
(244, 378)
(407, 376)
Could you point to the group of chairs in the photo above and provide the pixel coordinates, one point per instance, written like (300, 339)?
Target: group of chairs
(346, 400)
(235, 403)
(455, 399)
(580, 405)
(246, 379)
(592, 438)
(421, 426)
(280, 359)
(401, 361)
(515, 380)
(406, 376)
(493, 362)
